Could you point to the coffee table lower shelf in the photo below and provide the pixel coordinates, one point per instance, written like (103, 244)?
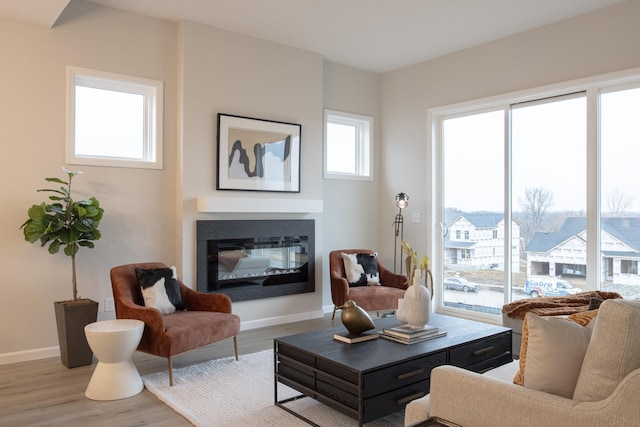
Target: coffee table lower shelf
(311, 394)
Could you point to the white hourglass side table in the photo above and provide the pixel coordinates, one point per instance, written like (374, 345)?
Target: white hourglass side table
(114, 342)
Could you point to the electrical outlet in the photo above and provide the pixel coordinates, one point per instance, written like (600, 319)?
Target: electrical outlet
(416, 218)
(108, 305)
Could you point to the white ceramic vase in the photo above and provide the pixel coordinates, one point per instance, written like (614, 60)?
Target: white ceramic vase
(417, 304)
(401, 312)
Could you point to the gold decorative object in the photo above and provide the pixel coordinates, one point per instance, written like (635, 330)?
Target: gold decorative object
(355, 319)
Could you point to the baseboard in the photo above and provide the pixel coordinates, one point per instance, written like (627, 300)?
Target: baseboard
(28, 355)
(279, 320)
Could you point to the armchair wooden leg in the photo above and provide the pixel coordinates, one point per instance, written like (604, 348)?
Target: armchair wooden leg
(334, 312)
(170, 367)
(235, 346)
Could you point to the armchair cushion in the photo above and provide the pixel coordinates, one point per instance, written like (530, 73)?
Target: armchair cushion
(614, 351)
(361, 269)
(160, 289)
(554, 354)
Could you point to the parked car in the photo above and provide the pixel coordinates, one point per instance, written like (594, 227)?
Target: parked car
(549, 287)
(460, 284)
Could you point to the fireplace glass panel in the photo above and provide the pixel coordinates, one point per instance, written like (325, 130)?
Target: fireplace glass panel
(261, 261)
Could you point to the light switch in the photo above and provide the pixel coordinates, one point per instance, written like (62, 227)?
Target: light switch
(416, 218)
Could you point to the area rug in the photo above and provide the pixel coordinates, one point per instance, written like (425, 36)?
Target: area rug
(226, 393)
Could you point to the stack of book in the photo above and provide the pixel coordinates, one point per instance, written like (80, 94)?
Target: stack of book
(353, 338)
(405, 334)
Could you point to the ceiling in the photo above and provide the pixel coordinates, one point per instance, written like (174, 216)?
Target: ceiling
(374, 35)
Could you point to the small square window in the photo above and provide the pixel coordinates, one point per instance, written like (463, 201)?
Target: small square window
(348, 146)
(113, 119)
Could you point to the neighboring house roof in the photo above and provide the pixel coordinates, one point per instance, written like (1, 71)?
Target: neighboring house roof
(620, 254)
(626, 230)
(478, 219)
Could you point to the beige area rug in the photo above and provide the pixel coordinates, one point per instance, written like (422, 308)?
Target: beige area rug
(227, 393)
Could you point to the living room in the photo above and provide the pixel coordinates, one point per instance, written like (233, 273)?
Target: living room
(150, 214)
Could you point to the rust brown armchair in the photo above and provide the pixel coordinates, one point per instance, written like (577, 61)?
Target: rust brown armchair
(206, 320)
(370, 298)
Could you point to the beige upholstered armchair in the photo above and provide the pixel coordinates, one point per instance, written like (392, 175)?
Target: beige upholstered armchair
(383, 297)
(606, 389)
(207, 318)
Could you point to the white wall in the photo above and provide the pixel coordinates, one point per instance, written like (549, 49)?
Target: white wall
(351, 207)
(225, 72)
(150, 214)
(592, 44)
(140, 216)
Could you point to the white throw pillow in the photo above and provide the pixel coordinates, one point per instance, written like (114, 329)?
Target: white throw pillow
(614, 350)
(555, 353)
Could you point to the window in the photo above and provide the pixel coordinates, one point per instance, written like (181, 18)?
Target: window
(628, 267)
(553, 172)
(348, 146)
(113, 120)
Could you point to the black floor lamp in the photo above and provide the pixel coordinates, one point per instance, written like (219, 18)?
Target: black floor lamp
(402, 201)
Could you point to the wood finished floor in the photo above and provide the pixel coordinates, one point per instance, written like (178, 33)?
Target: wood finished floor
(45, 393)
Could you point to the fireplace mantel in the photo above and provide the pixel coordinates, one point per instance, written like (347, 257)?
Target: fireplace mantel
(245, 204)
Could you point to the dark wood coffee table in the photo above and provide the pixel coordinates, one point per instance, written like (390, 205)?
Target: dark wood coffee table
(371, 379)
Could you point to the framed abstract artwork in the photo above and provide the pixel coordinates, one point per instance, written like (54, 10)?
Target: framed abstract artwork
(258, 155)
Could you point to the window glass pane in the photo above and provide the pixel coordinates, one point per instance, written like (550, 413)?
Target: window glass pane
(473, 179)
(113, 120)
(109, 123)
(620, 198)
(549, 196)
(348, 146)
(341, 148)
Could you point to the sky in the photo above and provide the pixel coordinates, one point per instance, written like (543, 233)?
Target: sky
(549, 151)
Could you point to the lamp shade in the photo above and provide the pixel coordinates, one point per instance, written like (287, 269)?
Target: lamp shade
(402, 200)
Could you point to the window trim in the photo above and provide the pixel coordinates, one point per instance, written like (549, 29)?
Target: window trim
(153, 93)
(364, 144)
(593, 86)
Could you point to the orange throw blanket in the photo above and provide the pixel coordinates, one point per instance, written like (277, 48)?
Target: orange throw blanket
(555, 306)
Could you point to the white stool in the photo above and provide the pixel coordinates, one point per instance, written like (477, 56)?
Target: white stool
(113, 342)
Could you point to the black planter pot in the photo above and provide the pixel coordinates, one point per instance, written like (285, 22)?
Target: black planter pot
(71, 318)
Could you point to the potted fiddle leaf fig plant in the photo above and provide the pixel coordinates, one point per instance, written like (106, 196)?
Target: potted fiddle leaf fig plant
(68, 224)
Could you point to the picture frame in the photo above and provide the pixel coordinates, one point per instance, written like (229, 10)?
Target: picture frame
(258, 154)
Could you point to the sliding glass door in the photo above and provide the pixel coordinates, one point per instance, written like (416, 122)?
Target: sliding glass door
(473, 251)
(620, 204)
(537, 196)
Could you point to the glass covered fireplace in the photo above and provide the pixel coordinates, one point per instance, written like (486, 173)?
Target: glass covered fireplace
(252, 259)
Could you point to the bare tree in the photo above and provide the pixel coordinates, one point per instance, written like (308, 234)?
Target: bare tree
(618, 202)
(535, 203)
